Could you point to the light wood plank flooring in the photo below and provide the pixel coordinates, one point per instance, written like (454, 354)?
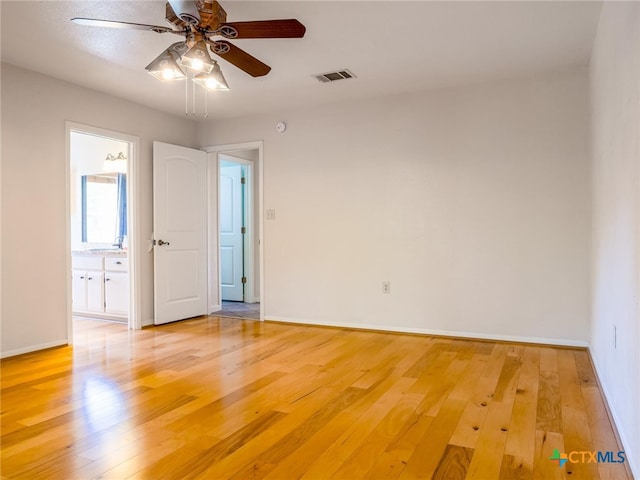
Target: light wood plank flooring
(215, 398)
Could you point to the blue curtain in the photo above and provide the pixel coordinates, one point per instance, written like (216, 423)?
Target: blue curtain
(122, 206)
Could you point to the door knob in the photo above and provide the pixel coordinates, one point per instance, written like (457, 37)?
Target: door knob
(162, 242)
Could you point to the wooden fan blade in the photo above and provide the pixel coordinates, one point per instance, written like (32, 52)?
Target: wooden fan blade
(211, 14)
(94, 22)
(290, 28)
(239, 58)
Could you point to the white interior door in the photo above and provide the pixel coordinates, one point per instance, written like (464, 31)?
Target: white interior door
(231, 240)
(180, 232)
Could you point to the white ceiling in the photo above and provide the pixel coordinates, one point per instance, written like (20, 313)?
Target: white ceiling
(391, 46)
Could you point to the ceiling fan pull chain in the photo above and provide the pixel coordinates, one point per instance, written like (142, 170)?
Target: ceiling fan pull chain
(206, 108)
(186, 95)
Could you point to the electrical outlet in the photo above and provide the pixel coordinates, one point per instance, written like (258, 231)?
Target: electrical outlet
(386, 287)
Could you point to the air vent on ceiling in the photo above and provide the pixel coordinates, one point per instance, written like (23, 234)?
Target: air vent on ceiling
(333, 76)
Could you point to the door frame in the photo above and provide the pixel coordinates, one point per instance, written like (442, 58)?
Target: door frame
(256, 190)
(133, 221)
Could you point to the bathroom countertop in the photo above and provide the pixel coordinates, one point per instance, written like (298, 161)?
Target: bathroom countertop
(101, 253)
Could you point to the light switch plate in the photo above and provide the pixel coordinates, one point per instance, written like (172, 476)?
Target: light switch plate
(271, 214)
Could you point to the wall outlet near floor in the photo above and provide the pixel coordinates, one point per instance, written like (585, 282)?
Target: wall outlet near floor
(386, 287)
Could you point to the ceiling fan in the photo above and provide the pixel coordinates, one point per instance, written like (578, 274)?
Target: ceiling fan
(200, 22)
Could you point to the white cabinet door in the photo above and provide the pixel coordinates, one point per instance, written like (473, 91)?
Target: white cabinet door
(116, 293)
(99, 293)
(95, 291)
(79, 290)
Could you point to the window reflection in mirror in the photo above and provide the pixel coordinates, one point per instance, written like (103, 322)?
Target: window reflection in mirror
(104, 214)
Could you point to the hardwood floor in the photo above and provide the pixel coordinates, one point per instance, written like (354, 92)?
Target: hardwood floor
(214, 398)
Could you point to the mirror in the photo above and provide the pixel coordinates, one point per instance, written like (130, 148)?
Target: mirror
(104, 208)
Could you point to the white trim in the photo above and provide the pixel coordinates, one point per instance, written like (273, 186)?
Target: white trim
(213, 249)
(133, 229)
(35, 348)
(133, 219)
(635, 469)
(68, 126)
(215, 308)
(256, 145)
(100, 316)
(249, 239)
(561, 342)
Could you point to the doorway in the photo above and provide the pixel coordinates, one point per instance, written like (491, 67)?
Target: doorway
(101, 229)
(235, 230)
(239, 225)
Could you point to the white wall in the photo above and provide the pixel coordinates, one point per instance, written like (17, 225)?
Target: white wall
(34, 110)
(89, 151)
(615, 152)
(472, 202)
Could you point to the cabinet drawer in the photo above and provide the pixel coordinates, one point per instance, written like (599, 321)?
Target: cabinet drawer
(86, 263)
(116, 264)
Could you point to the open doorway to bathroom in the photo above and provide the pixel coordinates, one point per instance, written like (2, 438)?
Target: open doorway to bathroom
(101, 226)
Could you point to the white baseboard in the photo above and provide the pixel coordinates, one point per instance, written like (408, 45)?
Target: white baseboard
(34, 348)
(635, 468)
(215, 308)
(109, 318)
(564, 342)
(100, 316)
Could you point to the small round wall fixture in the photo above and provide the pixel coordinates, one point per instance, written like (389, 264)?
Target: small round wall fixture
(281, 127)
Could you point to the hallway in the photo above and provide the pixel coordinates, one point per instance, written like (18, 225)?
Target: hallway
(250, 311)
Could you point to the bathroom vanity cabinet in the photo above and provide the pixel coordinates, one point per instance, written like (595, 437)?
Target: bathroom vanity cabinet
(100, 286)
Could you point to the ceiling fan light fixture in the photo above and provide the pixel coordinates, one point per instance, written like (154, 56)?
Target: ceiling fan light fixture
(197, 58)
(166, 67)
(213, 81)
(197, 21)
